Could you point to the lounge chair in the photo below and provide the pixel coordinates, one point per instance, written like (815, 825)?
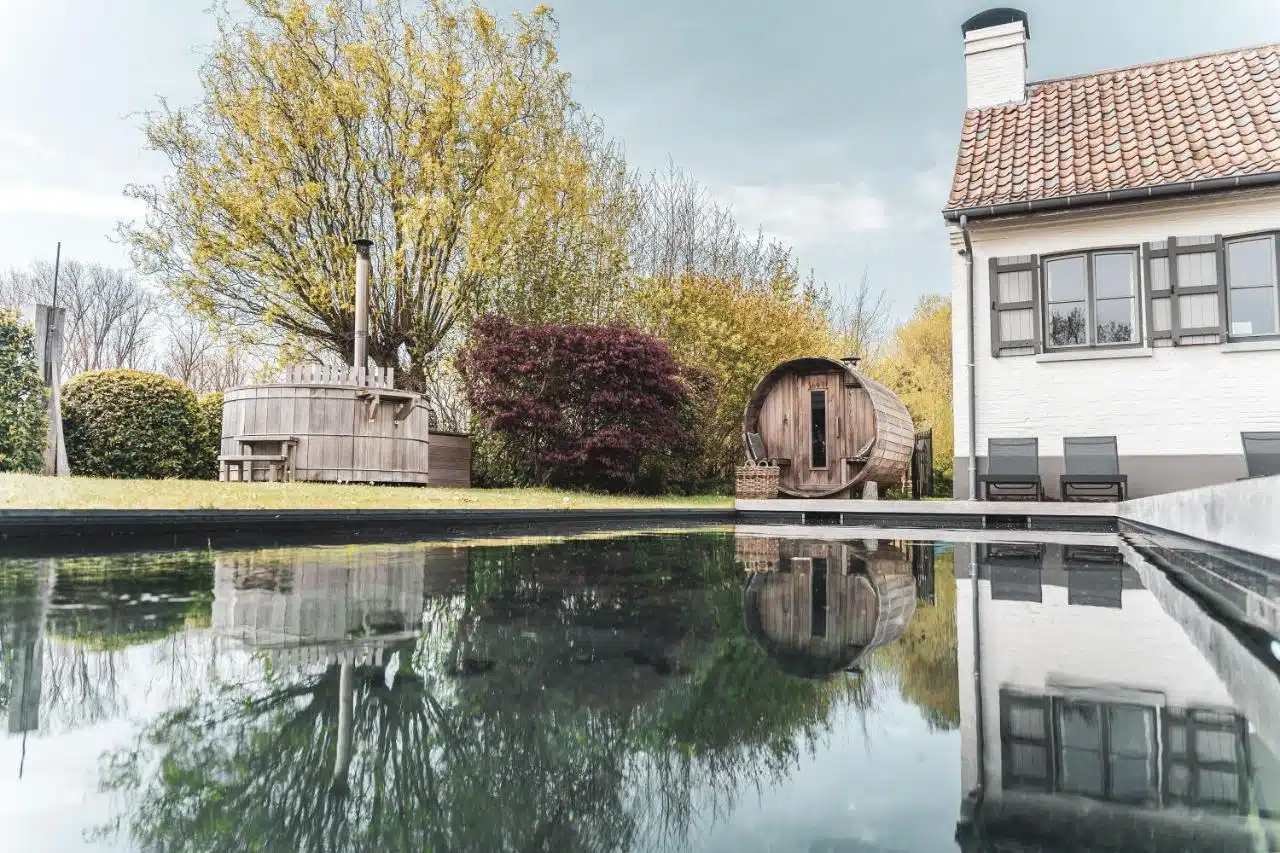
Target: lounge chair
(1261, 453)
(1093, 470)
(755, 446)
(1013, 470)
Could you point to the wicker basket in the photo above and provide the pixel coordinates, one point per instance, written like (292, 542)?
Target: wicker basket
(757, 482)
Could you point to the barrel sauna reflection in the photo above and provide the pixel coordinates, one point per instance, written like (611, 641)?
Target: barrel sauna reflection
(335, 431)
(828, 427)
(823, 607)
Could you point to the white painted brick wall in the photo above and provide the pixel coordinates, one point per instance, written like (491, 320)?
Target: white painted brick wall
(995, 66)
(1184, 400)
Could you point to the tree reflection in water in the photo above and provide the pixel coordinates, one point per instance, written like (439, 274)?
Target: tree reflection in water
(575, 696)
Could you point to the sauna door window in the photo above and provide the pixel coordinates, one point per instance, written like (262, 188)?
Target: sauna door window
(818, 412)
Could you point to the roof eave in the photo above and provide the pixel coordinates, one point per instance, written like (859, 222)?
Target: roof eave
(1043, 205)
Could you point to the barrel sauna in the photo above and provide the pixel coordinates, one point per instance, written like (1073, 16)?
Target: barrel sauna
(829, 428)
(336, 428)
(827, 605)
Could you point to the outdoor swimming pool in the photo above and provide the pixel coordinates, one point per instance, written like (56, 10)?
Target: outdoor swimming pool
(817, 691)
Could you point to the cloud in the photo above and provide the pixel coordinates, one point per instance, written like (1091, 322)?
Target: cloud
(808, 214)
(16, 142)
(60, 201)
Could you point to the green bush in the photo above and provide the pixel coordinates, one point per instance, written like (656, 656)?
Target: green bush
(129, 424)
(24, 418)
(210, 437)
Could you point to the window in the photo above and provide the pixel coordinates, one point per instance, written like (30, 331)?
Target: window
(818, 417)
(818, 598)
(1251, 286)
(1091, 299)
(1102, 750)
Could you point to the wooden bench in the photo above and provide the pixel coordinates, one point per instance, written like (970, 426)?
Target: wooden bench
(277, 466)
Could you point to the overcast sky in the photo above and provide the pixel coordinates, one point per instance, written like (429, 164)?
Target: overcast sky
(832, 123)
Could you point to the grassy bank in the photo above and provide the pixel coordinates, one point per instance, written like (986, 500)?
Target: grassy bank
(26, 491)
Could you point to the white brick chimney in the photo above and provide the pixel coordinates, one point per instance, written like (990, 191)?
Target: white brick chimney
(995, 57)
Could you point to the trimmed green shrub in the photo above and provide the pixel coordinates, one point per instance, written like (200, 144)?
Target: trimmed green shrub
(130, 424)
(211, 437)
(24, 417)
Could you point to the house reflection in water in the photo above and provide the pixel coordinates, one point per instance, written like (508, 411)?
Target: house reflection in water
(819, 607)
(1107, 711)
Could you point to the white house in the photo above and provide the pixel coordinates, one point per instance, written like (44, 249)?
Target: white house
(1115, 241)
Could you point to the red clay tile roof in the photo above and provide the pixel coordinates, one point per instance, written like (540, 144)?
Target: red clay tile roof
(1210, 116)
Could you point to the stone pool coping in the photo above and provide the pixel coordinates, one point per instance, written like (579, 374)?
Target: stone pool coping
(95, 530)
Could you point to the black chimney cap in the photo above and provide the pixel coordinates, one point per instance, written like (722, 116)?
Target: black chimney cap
(996, 17)
(851, 360)
(363, 242)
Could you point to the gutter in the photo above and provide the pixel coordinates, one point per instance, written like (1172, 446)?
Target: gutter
(970, 373)
(1261, 179)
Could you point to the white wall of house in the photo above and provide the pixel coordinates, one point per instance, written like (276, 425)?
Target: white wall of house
(1189, 401)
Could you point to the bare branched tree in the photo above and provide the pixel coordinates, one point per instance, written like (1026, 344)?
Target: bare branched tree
(683, 229)
(861, 320)
(111, 317)
(199, 358)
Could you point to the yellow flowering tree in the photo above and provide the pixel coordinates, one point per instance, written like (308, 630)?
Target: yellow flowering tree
(917, 366)
(732, 334)
(447, 137)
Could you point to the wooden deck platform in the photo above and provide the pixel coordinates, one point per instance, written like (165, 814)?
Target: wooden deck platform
(957, 515)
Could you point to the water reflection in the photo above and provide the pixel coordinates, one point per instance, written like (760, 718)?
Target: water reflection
(699, 691)
(1109, 710)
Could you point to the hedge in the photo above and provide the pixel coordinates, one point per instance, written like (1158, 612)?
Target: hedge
(210, 437)
(130, 424)
(24, 415)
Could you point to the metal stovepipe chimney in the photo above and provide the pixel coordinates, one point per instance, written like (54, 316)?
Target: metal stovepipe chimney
(364, 265)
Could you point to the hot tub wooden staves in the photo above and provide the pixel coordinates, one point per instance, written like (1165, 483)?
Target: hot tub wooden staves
(829, 428)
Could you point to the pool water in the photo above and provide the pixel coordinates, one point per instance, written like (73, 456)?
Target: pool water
(701, 691)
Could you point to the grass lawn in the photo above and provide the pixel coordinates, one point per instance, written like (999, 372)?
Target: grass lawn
(28, 491)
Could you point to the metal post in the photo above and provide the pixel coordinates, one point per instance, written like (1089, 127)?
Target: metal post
(363, 267)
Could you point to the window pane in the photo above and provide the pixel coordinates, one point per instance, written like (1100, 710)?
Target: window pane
(818, 598)
(1177, 740)
(1179, 780)
(1252, 311)
(1082, 772)
(1131, 778)
(1159, 273)
(1219, 787)
(1067, 324)
(818, 414)
(1115, 321)
(1080, 726)
(1251, 262)
(1132, 731)
(1014, 287)
(1215, 746)
(1198, 270)
(1067, 282)
(1114, 274)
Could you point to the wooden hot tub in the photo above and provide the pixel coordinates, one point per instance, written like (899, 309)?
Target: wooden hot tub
(326, 425)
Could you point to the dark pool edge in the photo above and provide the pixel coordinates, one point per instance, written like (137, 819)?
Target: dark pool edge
(51, 532)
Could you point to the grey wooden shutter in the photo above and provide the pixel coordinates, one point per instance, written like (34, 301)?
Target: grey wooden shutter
(1161, 313)
(1198, 288)
(1014, 283)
